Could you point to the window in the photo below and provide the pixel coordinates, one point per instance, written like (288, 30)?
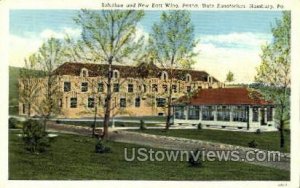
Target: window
(84, 87)
(160, 102)
(174, 88)
(207, 113)
(116, 87)
(130, 88)
(199, 87)
(145, 88)
(73, 103)
(137, 102)
(100, 87)
(24, 108)
(91, 102)
(154, 88)
(123, 103)
(60, 103)
(269, 114)
(84, 72)
(188, 78)
(240, 113)
(165, 88)
(255, 114)
(67, 86)
(116, 74)
(188, 89)
(179, 112)
(164, 75)
(193, 112)
(223, 113)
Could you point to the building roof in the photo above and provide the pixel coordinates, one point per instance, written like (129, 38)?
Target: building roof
(143, 70)
(225, 96)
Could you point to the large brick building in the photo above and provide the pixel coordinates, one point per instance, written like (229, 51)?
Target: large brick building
(137, 90)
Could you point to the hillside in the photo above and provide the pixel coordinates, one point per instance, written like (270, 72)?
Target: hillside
(13, 89)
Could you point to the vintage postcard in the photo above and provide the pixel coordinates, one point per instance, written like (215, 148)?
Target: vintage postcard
(150, 93)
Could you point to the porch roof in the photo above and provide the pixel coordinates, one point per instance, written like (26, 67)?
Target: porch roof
(225, 96)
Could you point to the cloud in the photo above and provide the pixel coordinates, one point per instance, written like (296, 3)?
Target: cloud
(236, 52)
(21, 47)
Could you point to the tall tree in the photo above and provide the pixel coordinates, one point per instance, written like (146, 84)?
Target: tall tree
(172, 41)
(28, 84)
(229, 77)
(49, 56)
(110, 36)
(274, 70)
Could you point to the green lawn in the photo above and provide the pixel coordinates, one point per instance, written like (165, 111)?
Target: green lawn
(73, 157)
(265, 140)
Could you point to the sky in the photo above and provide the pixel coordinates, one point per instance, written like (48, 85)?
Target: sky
(229, 40)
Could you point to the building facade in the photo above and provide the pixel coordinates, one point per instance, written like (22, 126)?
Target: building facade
(137, 90)
(227, 108)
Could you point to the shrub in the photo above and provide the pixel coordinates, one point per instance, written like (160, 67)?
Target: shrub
(258, 131)
(34, 137)
(101, 148)
(194, 159)
(252, 144)
(142, 125)
(12, 123)
(199, 126)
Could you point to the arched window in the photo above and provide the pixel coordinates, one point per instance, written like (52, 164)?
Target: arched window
(164, 75)
(188, 78)
(84, 72)
(116, 74)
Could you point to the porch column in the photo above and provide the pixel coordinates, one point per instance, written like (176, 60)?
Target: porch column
(231, 114)
(259, 116)
(215, 113)
(200, 113)
(186, 112)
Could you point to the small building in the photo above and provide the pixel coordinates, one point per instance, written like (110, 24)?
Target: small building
(225, 108)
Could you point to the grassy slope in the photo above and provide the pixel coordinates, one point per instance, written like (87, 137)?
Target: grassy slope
(73, 157)
(13, 89)
(265, 140)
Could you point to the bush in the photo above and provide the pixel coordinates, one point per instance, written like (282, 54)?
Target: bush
(101, 148)
(193, 161)
(12, 123)
(34, 137)
(199, 126)
(257, 131)
(142, 125)
(252, 144)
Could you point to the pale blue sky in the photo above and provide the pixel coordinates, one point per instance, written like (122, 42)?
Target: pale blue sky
(229, 40)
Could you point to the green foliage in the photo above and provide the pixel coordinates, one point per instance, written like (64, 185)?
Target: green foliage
(252, 144)
(229, 77)
(34, 137)
(199, 126)
(195, 159)
(142, 125)
(12, 123)
(172, 40)
(101, 148)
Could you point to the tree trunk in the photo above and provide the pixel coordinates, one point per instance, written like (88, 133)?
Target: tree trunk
(281, 133)
(95, 121)
(168, 123)
(107, 102)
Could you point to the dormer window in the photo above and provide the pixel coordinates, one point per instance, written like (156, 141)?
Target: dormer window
(84, 72)
(116, 74)
(164, 75)
(188, 78)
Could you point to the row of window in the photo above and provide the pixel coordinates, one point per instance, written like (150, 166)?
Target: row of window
(239, 113)
(160, 102)
(130, 87)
